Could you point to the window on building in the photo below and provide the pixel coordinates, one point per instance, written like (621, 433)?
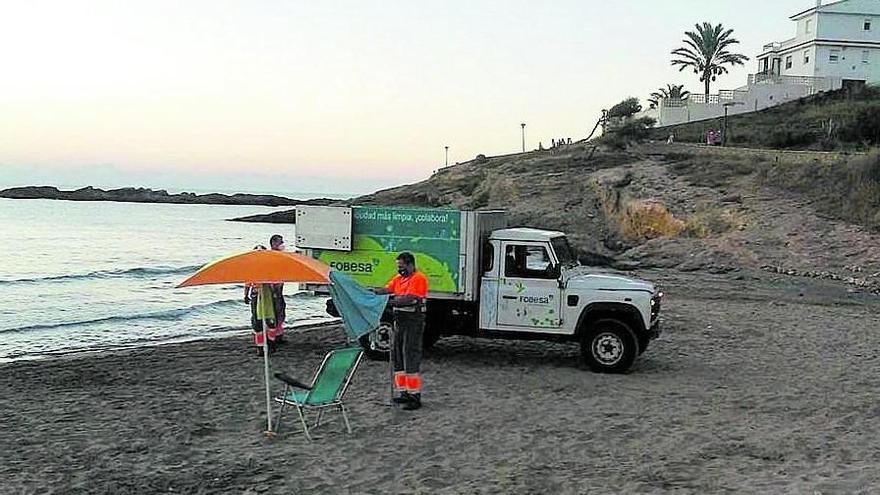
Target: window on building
(808, 26)
(788, 62)
(866, 56)
(806, 57)
(867, 24)
(834, 56)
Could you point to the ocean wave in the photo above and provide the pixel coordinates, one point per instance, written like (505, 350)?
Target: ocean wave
(171, 314)
(141, 272)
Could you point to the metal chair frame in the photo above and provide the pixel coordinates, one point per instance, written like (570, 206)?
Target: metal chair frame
(303, 408)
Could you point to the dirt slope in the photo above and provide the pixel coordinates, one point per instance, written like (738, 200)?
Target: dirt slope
(679, 206)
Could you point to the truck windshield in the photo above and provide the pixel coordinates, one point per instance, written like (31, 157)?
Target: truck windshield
(563, 251)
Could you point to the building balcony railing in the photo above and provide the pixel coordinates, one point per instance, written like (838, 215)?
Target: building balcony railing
(779, 45)
(723, 96)
(770, 78)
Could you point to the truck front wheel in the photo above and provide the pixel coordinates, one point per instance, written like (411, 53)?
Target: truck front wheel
(609, 346)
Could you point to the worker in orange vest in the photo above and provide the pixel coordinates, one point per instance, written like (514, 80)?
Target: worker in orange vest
(409, 289)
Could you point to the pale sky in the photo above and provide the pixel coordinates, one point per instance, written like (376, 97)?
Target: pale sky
(323, 95)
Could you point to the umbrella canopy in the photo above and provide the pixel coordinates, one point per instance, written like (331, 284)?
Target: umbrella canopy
(261, 267)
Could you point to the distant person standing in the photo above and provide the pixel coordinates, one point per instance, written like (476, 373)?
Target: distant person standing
(276, 243)
(409, 289)
(260, 310)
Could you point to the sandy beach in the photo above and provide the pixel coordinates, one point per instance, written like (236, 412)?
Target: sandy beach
(759, 385)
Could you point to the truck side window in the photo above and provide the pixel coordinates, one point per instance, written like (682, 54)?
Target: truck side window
(488, 257)
(528, 262)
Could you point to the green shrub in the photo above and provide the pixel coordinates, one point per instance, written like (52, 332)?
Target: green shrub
(862, 125)
(789, 138)
(626, 108)
(636, 128)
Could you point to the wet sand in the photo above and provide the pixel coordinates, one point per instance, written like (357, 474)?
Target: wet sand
(757, 386)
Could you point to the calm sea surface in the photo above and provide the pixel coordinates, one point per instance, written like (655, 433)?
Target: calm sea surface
(82, 276)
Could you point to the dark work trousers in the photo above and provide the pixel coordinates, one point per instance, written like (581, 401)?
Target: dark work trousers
(406, 353)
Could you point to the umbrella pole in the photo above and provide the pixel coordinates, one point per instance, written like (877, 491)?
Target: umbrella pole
(266, 370)
(391, 334)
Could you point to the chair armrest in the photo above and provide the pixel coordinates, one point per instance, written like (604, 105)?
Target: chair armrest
(293, 382)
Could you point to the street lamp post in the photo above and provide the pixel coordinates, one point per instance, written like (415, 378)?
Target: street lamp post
(523, 137)
(447, 156)
(726, 108)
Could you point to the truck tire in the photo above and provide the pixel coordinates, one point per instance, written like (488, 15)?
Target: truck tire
(377, 344)
(609, 346)
(430, 338)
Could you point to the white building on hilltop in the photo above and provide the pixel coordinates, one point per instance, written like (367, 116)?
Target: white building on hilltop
(836, 40)
(837, 45)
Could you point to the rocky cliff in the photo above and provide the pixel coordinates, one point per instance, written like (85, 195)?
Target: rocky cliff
(685, 207)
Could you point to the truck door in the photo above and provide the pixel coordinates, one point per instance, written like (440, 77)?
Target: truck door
(529, 297)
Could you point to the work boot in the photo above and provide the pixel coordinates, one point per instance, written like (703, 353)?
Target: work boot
(403, 398)
(414, 403)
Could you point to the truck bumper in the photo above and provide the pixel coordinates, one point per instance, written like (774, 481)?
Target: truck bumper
(656, 330)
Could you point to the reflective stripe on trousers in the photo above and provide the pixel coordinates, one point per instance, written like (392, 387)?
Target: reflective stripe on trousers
(406, 352)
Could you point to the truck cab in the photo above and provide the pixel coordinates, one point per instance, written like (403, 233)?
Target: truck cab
(533, 286)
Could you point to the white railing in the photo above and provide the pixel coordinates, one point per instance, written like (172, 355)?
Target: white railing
(723, 96)
(768, 78)
(701, 98)
(779, 45)
(673, 102)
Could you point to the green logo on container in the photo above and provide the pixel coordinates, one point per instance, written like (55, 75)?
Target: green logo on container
(432, 235)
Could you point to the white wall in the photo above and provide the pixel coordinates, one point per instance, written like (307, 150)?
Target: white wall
(850, 63)
(802, 33)
(798, 67)
(848, 27)
(757, 97)
(845, 21)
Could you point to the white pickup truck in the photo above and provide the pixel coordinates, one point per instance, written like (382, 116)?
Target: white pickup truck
(487, 280)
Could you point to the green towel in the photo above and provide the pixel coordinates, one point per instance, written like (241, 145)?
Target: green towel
(265, 308)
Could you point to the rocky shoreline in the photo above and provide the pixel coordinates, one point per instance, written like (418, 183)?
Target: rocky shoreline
(144, 195)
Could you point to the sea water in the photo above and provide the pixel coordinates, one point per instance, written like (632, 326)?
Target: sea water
(88, 276)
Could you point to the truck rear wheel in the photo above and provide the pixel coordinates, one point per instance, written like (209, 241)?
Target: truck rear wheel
(377, 344)
(609, 346)
(430, 338)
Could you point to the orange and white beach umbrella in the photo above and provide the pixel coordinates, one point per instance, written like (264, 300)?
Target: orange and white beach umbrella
(262, 267)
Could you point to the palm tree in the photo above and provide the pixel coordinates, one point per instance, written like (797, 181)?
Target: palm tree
(670, 92)
(706, 52)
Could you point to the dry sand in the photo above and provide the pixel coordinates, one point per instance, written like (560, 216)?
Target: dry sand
(759, 385)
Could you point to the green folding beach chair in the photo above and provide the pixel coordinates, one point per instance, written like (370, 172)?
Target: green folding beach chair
(326, 391)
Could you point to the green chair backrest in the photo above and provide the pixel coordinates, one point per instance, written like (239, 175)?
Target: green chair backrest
(333, 375)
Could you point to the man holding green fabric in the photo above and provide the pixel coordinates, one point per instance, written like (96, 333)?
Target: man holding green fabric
(408, 290)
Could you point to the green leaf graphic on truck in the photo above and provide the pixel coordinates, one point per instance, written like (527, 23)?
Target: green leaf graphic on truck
(379, 234)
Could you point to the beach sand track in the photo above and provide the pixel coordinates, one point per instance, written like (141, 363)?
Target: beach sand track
(771, 391)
